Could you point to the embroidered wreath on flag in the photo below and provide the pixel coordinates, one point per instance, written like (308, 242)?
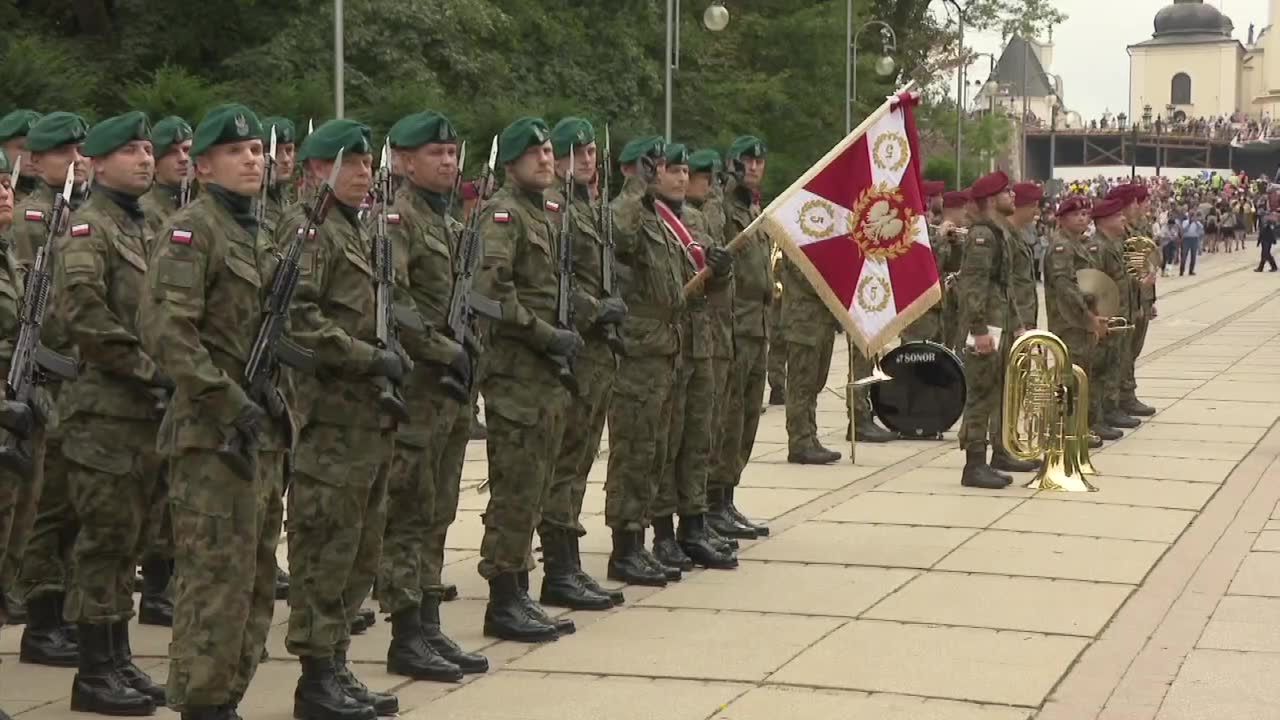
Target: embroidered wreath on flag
(883, 224)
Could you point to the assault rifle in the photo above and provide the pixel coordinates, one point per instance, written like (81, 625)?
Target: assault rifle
(188, 181)
(268, 178)
(565, 286)
(389, 316)
(33, 364)
(608, 251)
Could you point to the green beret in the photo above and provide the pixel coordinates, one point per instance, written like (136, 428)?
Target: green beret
(55, 130)
(5, 166)
(225, 124)
(115, 132)
(706, 161)
(569, 133)
(17, 124)
(520, 136)
(655, 147)
(422, 128)
(285, 131)
(347, 136)
(677, 154)
(170, 131)
(747, 145)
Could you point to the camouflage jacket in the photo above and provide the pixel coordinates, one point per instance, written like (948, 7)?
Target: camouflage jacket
(983, 285)
(753, 289)
(1108, 257)
(30, 223)
(11, 290)
(206, 277)
(1066, 307)
(158, 204)
(99, 271)
(1024, 302)
(698, 324)
(707, 218)
(654, 290)
(588, 256)
(279, 199)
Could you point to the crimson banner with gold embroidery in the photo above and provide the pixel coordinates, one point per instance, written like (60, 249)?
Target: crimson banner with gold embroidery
(856, 226)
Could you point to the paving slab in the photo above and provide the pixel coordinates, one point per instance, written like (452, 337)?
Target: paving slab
(729, 645)
(943, 662)
(1223, 684)
(1125, 522)
(1148, 492)
(855, 544)
(902, 509)
(1152, 466)
(1213, 412)
(818, 477)
(1244, 623)
(1188, 431)
(767, 503)
(946, 481)
(773, 703)
(1268, 541)
(784, 588)
(1233, 389)
(1259, 574)
(1055, 556)
(1180, 449)
(1063, 607)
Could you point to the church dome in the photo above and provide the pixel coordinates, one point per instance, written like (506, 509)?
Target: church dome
(1192, 17)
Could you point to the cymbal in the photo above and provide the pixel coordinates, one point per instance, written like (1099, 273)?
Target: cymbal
(1101, 290)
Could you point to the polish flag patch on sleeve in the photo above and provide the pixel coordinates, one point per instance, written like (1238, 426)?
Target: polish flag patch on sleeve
(552, 206)
(502, 217)
(393, 218)
(180, 237)
(311, 234)
(81, 230)
(33, 216)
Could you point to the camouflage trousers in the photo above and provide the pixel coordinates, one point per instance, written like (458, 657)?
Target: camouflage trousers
(422, 501)
(953, 329)
(526, 422)
(337, 517)
(595, 370)
(741, 411)
(639, 423)
(1119, 357)
(112, 466)
(721, 466)
(858, 402)
(157, 530)
(1129, 386)
(682, 487)
(225, 536)
(928, 326)
(778, 350)
(46, 560)
(1081, 345)
(984, 376)
(19, 497)
(807, 370)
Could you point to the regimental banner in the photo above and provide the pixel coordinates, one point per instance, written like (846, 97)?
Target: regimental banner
(856, 226)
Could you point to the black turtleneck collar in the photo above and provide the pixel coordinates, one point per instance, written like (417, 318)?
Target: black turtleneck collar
(240, 206)
(581, 192)
(125, 201)
(172, 191)
(533, 196)
(677, 206)
(27, 184)
(439, 202)
(352, 214)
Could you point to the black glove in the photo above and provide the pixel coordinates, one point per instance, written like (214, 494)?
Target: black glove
(565, 343)
(17, 418)
(248, 425)
(388, 365)
(461, 367)
(612, 311)
(162, 381)
(720, 261)
(240, 451)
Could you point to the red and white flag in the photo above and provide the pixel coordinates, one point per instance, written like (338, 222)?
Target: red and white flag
(855, 224)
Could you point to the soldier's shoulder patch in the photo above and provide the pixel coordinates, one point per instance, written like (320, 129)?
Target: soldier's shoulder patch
(179, 236)
(81, 230)
(311, 234)
(552, 206)
(1093, 247)
(393, 218)
(502, 217)
(1059, 248)
(33, 216)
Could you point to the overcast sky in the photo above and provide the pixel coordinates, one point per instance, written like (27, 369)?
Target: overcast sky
(1089, 50)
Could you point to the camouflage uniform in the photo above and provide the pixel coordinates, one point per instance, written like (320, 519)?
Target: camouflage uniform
(932, 324)
(984, 302)
(1113, 355)
(719, 319)
(778, 350)
(1144, 300)
(338, 494)
(206, 303)
(158, 205)
(279, 200)
(953, 328)
(525, 404)
(809, 332)
(1024, 302)
(1066, 308)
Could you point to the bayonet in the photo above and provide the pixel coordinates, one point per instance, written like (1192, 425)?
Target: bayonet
(565, 284)
(388, 317)
(17, 171)
(456, 190)
(268, 178)
(188, 179)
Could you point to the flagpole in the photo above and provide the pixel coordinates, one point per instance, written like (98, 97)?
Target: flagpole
(851, 405)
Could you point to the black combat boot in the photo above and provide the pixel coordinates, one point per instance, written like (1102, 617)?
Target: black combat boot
(977, 473)
(44, 639)
(695, 542)
(411, 656)
(665, 547)
(743, 520)
(615, 596)
(282, 583)
(1002, 460)
(1131, 405)
(97, 687)
(564, 626)
(16, 608)
(132, 675)
(869, 431)
(1106, 432)
(1095, 441)
(506, 618)
(718, 541)
(778, 395)
(383, 704)
(433, 635)
(721, 520)
(156, 608)
(318, 695)
(671, 574)
(561, 586)
(450, 593)
(812, 456)
(626, 565)
(1117, 419)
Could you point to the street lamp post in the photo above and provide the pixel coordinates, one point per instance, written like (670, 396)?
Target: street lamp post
(715, 19)
(960, 80)
(1053, 134)
(339, 61)
(884, 64)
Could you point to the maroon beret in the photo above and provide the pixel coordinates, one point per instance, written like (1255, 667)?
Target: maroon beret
(988, 185)
(1123, 193)
(956, 199)
(1073, 203)
(1025, 194)
(933, 188)
(1109, 207)
(1140, 192)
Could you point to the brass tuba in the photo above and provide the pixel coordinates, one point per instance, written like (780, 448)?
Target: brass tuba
(1138, 256)
(1042, 412)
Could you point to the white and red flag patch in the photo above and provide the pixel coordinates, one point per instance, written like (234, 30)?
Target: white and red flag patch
(81, 230)
(855, 224)
(181, 237)
(502, 217)
(33, 216)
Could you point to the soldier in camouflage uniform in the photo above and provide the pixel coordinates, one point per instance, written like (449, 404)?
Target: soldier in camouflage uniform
(1069, 312)
(281, 194)
(564, 584)
(955, 216)
(55, 142)
(929, 326)
(1109, 222)
(338, 494)
(171, 140)
(1138, 217)
(682, 486)
(526, 403)
(984, 285)
(205, 277)
(13, 141)
(777, 366)
(109, 415)
(753, 293)
(427, 468)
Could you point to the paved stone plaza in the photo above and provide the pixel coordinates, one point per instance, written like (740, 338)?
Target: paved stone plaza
(888, 591)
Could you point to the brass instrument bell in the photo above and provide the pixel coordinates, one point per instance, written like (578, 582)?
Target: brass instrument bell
(1104, 297)
(1139, 253)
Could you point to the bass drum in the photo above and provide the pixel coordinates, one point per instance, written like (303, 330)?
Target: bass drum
(926, 395)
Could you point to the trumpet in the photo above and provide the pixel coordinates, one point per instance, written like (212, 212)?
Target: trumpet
(949, 280)
(1138, 251)
(953, 229)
